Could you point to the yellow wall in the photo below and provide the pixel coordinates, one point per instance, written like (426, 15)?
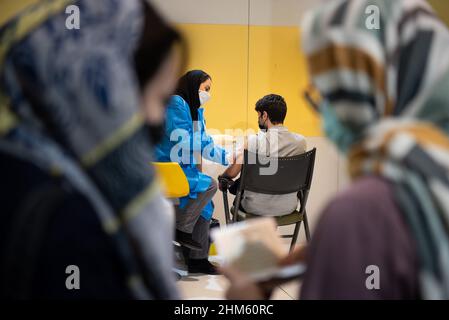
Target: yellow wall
(270, 55)
(9, 8)
(441, 8)
(275, 65)
(221, 51)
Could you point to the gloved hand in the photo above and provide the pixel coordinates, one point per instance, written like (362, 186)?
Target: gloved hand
(224, 182)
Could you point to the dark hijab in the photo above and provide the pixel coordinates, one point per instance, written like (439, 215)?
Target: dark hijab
(67, 163)
(188, 87)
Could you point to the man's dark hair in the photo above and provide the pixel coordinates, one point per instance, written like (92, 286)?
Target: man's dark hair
(275, 107)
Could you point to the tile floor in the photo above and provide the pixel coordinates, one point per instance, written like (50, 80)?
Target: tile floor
(209, 287)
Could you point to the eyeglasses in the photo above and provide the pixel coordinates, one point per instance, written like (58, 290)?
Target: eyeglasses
(313, 97)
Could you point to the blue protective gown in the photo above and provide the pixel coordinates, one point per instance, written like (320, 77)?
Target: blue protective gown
(182, 144)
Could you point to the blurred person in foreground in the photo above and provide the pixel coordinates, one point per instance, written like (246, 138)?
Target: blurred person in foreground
(80, 110)
(385, 104)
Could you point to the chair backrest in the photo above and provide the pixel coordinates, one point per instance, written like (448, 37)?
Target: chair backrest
(173, 178)
(282, 175)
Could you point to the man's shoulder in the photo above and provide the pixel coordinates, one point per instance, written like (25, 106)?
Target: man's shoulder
(252, 142)
(298, 140)
(296, 136)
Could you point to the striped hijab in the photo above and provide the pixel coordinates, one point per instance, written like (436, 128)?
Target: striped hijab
(385, 89)
(69, 104)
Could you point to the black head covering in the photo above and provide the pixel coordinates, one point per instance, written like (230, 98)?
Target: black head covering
(188, 86)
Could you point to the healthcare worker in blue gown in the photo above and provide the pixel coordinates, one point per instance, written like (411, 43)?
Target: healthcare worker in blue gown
(185, 141)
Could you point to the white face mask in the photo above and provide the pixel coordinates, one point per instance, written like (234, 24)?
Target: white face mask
(204, 96)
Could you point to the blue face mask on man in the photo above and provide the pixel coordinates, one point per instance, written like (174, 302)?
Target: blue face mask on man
(335, 130)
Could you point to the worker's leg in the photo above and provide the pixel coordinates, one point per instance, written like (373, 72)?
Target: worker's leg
(197, 260)
(187, 217)
(201, 235)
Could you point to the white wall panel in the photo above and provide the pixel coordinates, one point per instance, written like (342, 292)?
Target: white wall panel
(262, 12)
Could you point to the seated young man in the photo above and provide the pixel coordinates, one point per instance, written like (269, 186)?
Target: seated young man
(273, 140)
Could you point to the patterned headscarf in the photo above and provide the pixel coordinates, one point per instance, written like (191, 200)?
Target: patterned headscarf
(385, 89)
(70, 104)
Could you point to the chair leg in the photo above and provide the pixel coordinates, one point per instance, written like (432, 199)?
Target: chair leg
(177, 276)
(226, 207)
(306, 227)
(295, 235)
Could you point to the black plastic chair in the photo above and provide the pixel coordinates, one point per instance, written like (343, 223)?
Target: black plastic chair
(293, 174)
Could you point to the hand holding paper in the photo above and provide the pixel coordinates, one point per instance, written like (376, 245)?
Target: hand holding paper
(252, 247)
